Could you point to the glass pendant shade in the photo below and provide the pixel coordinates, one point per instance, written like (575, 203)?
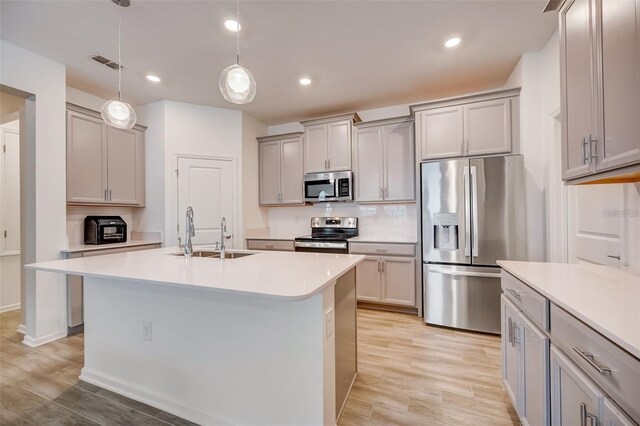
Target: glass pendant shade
(237, 85)
(118, 114)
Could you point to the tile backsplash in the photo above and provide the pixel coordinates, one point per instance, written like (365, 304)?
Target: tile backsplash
(375, 220)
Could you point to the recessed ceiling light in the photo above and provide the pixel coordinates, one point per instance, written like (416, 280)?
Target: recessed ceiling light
(232, 25)
(452, 42)
(153, 78)
(305, 81)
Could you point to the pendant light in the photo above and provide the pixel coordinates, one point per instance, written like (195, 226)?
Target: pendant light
(236, 83)
(115, 112)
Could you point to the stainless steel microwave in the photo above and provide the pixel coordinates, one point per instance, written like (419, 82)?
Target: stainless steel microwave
(328, 187)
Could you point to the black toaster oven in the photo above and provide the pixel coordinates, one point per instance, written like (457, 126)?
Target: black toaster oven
(104, 230)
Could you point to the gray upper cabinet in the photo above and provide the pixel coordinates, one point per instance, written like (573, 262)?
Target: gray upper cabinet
(384, 161)
(600, 82)
(280, 163)
(105, 165)
(469, 126)
(327, 143)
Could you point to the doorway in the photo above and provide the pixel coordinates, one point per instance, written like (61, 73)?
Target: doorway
(208, 185)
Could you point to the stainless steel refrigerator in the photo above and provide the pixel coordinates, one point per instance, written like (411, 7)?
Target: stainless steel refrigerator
(473, 214)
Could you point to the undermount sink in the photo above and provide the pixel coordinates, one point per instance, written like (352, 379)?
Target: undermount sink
(210, 254)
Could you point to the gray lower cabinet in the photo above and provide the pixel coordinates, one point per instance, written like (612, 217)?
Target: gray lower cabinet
(105, 165)
(270, 245)
(575, 400)
(525, 363)
(280, 166)
(559, 371)
(387, 275)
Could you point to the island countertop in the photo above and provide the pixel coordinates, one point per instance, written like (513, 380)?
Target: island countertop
(279, 275)
(606, 298)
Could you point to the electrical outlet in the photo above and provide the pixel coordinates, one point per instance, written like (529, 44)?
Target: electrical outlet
(146, 330)
(328, 322)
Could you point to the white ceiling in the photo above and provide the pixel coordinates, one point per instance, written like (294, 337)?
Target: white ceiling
(359, 54)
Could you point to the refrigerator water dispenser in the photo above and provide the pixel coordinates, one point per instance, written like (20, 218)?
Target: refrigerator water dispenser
(445, 231)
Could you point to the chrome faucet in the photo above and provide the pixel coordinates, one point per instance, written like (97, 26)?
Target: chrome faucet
(223, 236)
(190, 231)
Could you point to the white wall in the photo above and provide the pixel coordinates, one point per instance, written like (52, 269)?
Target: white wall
(255, 218)
(43, 182)
(181, 128)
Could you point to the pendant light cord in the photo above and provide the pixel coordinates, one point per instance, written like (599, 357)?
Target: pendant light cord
(238, 32)
(119, 56)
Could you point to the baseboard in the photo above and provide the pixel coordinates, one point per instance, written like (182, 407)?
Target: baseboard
(133, 391)
(22, 329)
(33, 342)
(8, 308)
(344, 403)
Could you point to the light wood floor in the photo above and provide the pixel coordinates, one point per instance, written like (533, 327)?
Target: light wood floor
(409, 374)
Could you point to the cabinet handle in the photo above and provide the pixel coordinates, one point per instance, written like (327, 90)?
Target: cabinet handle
(329, 161)
(106, 192)
(584, 150)
(514, 293)
(386, 192)
(379, 268)
(269, 246)
(584, 415)
(510, 331)
(591, 142)
(590, 360)
(109, 195)
(613, 257)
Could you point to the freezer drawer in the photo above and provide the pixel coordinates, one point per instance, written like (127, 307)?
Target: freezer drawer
(462, 297)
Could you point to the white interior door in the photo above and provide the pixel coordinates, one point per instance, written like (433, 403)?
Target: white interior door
(10, 188)
(206, 185)
(596, 224)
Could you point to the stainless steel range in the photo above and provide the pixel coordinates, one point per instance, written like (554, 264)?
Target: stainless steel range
(328, 235)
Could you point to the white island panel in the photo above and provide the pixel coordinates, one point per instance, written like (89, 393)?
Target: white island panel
(212, 358)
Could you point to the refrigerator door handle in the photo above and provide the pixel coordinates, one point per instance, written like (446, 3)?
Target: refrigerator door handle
(467, 213)
(474, 207)
(459, 273)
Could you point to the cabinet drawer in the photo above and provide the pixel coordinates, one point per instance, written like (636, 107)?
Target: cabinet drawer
(278, 245)
(385, 249)
(533, 304)
(613, 369)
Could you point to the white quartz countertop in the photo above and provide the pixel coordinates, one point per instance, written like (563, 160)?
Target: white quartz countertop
(95, 247)
(606, 298)
(279, 275)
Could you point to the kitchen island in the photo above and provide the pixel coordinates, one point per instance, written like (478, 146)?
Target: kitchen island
(268, 338)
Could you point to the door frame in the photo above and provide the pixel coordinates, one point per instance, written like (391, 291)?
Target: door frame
(236, 228)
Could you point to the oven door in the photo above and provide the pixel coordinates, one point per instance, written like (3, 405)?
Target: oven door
(320, 190)
(113, 233)
(339, 247)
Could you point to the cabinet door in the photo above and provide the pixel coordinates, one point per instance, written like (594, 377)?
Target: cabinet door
(269, 153)
(316, 152)
(620, 29)
(536, 374)
(86, 159)
(339, 145)
(512, 354)
(368, 280)
(578, 95)
(440, 132)
(487, 127)
(399, 280)
(125, 152)
(291, 171)
(399, 168)
(368, 165)
(613, 416)
(573, 396)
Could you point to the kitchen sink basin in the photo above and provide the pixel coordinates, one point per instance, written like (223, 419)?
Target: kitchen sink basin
(211, 254)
